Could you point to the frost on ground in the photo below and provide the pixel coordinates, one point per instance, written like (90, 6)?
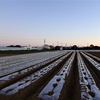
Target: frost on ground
(30, 79)
(53, 89)
(13, 75)
(11, 64)
(89, 90)
(96, 64)
(93, 56)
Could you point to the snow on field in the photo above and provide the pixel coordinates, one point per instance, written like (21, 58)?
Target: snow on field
(24, 57)
(93, 56)
(89, 90)
(15, 63)
(96, 64)
(28, 80)
(13, 75)
(53, 89)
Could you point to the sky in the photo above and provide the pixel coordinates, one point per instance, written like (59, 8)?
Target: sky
(59, 22)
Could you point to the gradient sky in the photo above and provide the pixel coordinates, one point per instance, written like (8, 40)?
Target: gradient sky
(29, 22)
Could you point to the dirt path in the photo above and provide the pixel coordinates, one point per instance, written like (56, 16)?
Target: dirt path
(71, 89)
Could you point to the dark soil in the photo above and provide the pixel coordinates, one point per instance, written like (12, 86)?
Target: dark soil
(95, 54)
(3, 55)
(94, 58)
(71, 89)
(93, 70)
(19, 77)
(32, 90)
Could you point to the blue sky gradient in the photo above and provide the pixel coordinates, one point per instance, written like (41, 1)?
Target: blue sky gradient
(29, 22)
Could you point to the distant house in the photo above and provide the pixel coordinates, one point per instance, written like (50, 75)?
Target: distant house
(37, 48)
(28, 47)
(34, 48)
(46, 47)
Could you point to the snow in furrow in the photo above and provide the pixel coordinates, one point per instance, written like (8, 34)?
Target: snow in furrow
(13, 75)
(93, 56)
(89, 90)
(53, 89)
(30, 79)
(96, 64)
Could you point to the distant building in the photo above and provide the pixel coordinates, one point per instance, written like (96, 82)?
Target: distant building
(28, 47)
(61, 48)
(37, 48)
(46, 47)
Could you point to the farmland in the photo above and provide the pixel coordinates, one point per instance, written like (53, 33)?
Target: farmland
(56, 75)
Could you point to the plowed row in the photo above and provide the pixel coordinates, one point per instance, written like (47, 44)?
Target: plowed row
(69, 76)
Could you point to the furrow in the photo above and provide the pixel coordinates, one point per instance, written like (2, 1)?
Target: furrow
(14, 88)
(89, 89)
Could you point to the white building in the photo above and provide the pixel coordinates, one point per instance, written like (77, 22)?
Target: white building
(46, 46)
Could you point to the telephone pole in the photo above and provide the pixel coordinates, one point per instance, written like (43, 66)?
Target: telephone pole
(44, 41)
(57, 43)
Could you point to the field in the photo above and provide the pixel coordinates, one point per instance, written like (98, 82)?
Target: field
(56, 75)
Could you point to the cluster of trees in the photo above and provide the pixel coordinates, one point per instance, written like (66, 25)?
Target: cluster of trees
(14, 46)
(75, 47)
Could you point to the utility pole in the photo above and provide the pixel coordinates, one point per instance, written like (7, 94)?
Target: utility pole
(87, 44)
(44, 41)
(66, 44)
(57, 43)
(61, 44)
